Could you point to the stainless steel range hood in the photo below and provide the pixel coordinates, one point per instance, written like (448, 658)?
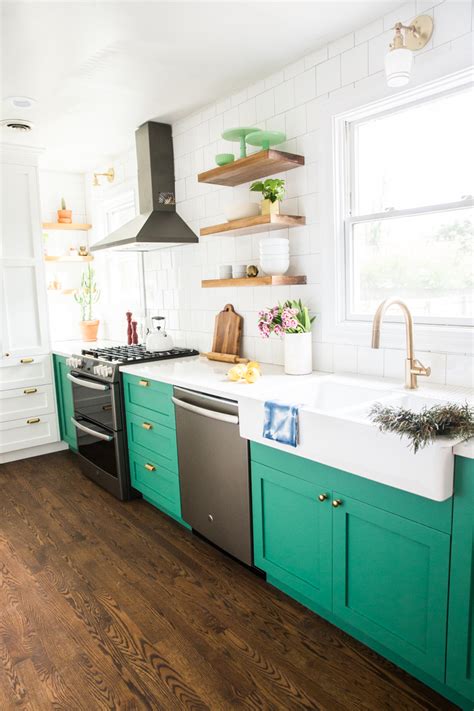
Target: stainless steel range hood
(158, 225)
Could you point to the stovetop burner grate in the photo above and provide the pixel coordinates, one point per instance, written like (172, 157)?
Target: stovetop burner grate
(135, 354)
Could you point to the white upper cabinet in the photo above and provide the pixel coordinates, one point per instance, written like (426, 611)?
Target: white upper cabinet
(23, 307)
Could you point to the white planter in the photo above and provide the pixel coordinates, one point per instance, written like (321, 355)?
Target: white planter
(298, 353)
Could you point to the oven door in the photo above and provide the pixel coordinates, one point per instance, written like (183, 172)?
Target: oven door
(95, 400)
(97, 444)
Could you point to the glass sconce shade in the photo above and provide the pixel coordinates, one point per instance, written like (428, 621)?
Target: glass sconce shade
(398, 64)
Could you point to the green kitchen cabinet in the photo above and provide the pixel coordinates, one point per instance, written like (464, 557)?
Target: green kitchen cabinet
(64, 401)
(292, 532)
(152, 446)
(372, 559)
(391, 581)
(460, 665)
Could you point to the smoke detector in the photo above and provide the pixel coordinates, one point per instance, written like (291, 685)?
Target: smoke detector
(21, 102)
(17, 124)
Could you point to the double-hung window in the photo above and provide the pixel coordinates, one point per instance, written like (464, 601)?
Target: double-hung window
(408, 209)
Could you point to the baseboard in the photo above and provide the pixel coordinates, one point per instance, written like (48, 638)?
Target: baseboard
(33, 452)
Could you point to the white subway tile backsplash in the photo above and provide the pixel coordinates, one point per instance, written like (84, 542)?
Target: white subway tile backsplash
(370, 361)
(320, 55)
(365, 33)
(293, 69)
(273, 80)
(345, 358)
(328, 75)
(247, 113)
(354, 63)
(404, 13)
(341, 45)
(296, 122)
(451, 19)
(460, 370)
(305, 86)
(265, 105)
(284, 96)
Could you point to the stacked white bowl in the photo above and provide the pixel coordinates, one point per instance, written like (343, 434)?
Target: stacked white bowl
(274, 255)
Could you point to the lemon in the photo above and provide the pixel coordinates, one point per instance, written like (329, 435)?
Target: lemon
(252, 374)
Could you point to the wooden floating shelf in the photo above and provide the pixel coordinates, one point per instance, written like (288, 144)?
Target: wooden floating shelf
(66, 226)
(89, 258)
(257, 165)
(251, 225)
(255, 281)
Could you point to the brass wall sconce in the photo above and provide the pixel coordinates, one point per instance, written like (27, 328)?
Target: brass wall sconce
(407, 39)
(110, 175)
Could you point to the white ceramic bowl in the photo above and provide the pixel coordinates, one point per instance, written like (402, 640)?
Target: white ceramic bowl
(276, 250)
(239, 210)
(275, 266)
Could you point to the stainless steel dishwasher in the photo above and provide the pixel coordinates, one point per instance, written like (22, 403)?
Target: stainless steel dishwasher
(214, 471)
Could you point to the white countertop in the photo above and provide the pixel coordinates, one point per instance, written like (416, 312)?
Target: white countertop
(198, 373)
(68, 348)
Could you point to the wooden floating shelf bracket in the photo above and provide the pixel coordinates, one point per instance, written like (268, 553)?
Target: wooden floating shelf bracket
(252, 225)
(254, 281)
(257, 165)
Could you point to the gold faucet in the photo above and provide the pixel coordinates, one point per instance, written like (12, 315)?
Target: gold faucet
(413, 367)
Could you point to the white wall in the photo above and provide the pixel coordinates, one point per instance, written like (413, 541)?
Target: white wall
(295, 100)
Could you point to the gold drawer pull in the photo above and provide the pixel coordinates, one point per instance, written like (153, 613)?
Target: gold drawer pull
(27, 360)
(33, 421)
(143, 383)
(30, 391)
(150, 467)
(147, 426)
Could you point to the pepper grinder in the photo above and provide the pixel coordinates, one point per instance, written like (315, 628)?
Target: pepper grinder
(134, 333)
(128, 314)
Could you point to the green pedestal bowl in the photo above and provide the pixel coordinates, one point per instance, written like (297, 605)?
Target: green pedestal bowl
(265, 139)
(239, 134)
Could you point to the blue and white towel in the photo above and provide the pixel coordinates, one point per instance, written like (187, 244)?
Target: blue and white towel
(281, 422)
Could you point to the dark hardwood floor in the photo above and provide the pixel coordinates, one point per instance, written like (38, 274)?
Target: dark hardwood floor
(110, 605)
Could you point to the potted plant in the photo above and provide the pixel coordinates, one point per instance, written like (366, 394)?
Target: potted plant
(64, 215)
(86, 297)
(292, 321)
(273, 191)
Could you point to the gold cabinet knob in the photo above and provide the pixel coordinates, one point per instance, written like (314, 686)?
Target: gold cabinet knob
(322, 497)
(336, 503)
(147, 426)
(150, 467)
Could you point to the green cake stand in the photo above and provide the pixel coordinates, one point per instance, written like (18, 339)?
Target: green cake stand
(239, 134)
(265, 139)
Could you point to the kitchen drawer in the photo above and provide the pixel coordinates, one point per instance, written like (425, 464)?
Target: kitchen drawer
(27, 371)
(149, 398)
(150, 439)
(159, 485)
(21, 434)
(22, 403)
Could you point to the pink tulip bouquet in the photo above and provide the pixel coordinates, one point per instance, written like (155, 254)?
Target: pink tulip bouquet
(289, 317)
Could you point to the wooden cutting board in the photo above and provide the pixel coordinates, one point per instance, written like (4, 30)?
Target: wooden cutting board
(227, 331)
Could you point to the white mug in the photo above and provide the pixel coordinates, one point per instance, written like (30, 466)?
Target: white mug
(239, 271)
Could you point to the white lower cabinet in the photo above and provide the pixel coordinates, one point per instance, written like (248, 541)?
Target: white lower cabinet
(26, 402)
(25, 371)
(30, 432)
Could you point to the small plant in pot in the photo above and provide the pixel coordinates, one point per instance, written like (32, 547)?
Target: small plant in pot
(64, 215)
(292, 321)
(273, 191)
(86, 297)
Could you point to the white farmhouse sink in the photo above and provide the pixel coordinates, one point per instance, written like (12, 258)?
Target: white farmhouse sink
(335, 429)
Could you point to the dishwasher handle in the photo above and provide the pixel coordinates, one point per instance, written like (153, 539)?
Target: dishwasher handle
(212, 414)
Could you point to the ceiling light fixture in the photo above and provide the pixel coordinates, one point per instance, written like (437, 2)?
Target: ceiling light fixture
(21, 102)
(110, 175)
(407, 39)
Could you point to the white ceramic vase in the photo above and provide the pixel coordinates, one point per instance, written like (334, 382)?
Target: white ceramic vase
(298, 353)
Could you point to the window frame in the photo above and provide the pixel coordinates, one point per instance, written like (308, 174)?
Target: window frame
(348, 156)
(334, 110)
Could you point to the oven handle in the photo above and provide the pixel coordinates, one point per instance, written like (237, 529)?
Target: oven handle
(86, 383)
(212, 414)
(94, 433)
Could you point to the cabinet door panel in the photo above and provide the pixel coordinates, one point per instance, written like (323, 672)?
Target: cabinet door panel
(292, 532)
(391, 581)
(460, 667)
(20, 213)
(64, 401)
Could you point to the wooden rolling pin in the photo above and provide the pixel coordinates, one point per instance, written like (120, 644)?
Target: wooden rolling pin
(225, 357)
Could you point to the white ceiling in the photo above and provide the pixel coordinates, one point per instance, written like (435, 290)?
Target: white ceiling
(99, 69)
